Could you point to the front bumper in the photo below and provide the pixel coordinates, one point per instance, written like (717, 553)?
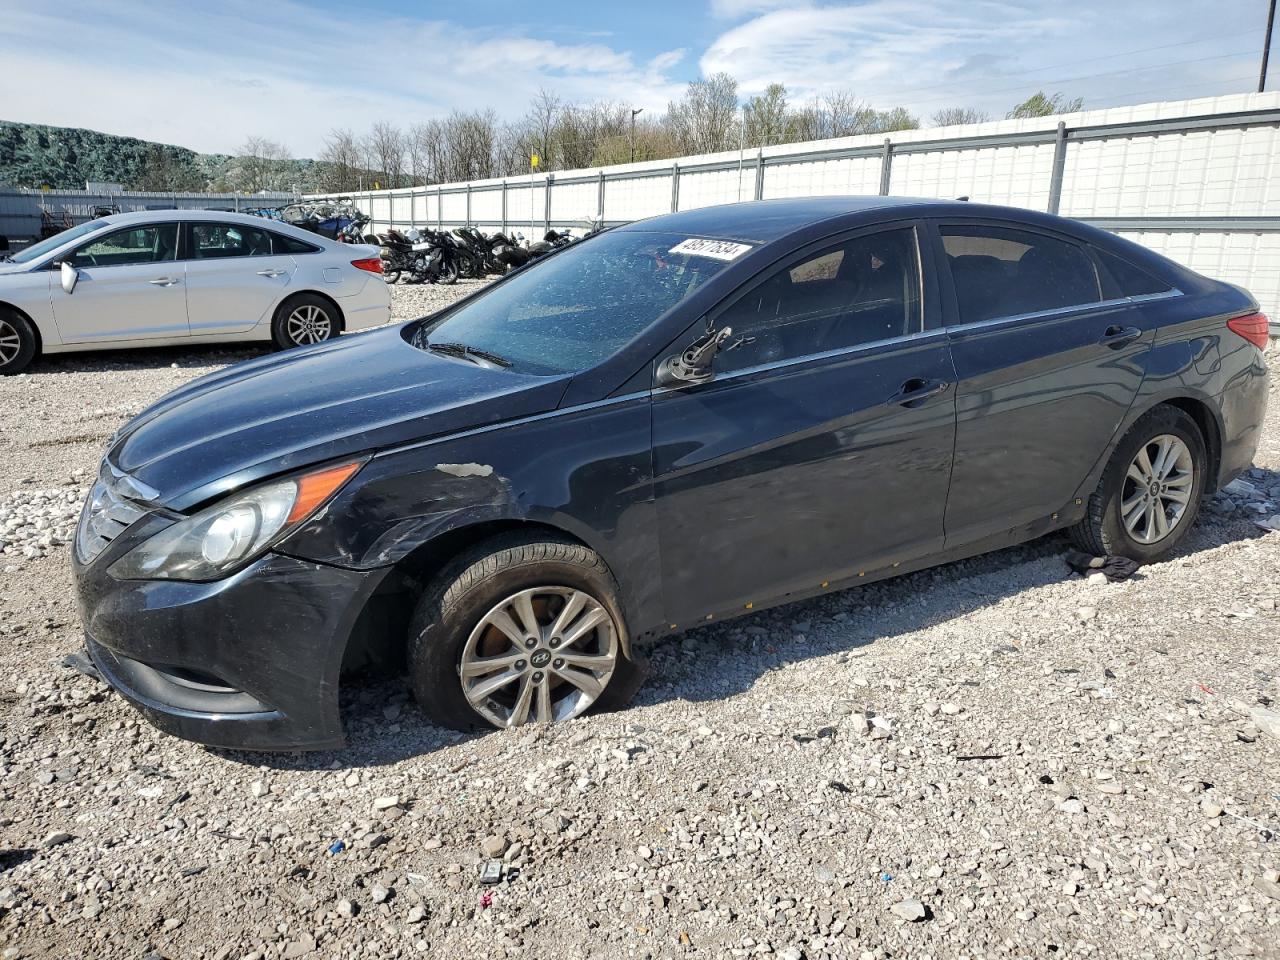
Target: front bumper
(248, 662)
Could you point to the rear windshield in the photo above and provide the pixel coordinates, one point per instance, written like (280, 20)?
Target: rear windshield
(582, 305)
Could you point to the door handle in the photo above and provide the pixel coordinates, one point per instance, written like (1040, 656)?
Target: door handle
(272, 273)
(913, 391)
(163, 282)
(1117, 336)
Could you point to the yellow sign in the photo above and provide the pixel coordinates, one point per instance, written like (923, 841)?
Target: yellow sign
(534, 160)
(377, 185)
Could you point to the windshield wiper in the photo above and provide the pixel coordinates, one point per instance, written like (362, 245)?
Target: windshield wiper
(469, 353)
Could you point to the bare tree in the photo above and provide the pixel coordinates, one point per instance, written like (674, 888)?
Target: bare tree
(260, 164)
(341, 160)
(705, 119)
(386, 145)
(952, 116)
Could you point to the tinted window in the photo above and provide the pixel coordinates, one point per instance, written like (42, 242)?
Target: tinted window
(859, 291)
(216, 240)
(1121, 278)
(578, 307)
(151, 244)
(1000, 272)
(282, 244)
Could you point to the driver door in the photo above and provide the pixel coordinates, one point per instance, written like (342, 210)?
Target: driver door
(130, 286)
(822, 445)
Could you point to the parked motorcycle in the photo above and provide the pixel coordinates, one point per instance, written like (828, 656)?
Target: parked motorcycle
(397, 254)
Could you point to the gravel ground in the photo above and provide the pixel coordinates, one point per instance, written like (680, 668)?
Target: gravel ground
(989, 759)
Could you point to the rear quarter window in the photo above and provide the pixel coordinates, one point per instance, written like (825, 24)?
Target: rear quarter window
(1120, 278)
(282, 244)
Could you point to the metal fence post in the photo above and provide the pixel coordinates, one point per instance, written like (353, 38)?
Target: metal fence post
(1059, 167)
(600, 197)
(886, 167)
(675, 187)
(504, 206)
(546, 201)
(439, 209)
(759, 175)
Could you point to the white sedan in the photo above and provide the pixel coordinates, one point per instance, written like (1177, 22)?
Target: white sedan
(168, 277)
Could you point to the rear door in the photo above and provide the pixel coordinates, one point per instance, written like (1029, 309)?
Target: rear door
(129, 287)
(822, 446)
(235, 277)
(1047, 370)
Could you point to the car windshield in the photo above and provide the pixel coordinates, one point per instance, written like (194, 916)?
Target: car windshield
(37, 250)
(583, 304)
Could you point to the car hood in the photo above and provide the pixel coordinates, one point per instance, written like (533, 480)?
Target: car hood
(353, 395)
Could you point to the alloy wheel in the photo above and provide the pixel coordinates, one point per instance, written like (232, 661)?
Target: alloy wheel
(545, 654)
(308, 324)
(1157, 488)
(10, 342)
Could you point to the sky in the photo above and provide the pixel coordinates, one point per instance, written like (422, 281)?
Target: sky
(292, 71)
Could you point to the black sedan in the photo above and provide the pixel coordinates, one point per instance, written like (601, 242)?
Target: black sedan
(670, 423)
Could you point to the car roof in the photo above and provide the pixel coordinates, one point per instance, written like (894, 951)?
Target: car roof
(161, 216)
(219, 216)
(763, 221)
(759, 221)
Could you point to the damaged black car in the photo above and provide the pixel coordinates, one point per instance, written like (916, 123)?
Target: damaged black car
(673, 422)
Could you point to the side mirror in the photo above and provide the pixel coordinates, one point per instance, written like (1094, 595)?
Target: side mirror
(69, 277)
(694, 364)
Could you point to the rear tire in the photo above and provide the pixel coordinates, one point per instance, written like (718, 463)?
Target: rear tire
(17, 342)
(1139, 510)
(305, 319)
(390, 276)
(454, 624)
(449, 272)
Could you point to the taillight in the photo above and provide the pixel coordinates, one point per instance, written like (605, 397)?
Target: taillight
(1253, 328)
(374, 265)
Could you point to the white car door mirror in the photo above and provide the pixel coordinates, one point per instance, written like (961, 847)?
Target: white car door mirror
(69, 277)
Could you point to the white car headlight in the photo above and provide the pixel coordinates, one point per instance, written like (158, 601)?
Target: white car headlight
(230, 534)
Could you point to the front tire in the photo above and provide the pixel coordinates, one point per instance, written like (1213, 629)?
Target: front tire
(520, 630)
(1150, 491)
(17, 343)
(303, 320)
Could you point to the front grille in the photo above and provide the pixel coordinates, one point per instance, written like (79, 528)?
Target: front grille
(106, 515)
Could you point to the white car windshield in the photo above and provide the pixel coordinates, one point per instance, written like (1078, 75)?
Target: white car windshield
(38, 250)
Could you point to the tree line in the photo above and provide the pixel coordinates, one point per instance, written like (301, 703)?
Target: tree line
(472, 145)
(709, 118)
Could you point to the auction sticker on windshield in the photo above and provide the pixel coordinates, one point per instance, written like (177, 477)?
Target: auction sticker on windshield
(715, 249)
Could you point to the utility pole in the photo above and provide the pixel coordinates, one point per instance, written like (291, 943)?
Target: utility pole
(641, 110)
(1266, 46)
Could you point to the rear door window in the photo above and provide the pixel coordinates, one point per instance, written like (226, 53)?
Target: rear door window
(856, 291)
(214, 241)
(1005, 272)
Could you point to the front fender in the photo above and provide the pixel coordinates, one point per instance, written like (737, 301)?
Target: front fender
(585, 470)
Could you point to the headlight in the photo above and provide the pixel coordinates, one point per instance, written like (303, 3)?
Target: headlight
(230, 534)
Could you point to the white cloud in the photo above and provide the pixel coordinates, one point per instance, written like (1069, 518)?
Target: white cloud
(986, 53)
(734, 9)
(217, 75)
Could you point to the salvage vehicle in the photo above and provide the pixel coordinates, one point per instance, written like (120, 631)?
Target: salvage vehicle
(167, 277)
(668, 424)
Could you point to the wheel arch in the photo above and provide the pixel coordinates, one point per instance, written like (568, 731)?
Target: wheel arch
(294, 294)
(379, 638)
(14, 308)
